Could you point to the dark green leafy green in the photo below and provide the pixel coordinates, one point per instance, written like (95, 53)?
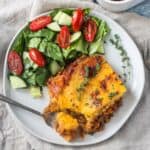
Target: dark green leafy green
(19, 43)
(43, 45)
(75, 49)
(29, 77)
(53, 51)
(44, 33)
(41, 76)
(103, 31)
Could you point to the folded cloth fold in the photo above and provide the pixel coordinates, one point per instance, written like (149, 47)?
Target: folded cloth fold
(135, 134)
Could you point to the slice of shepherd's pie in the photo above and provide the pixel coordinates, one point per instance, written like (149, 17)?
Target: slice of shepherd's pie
(85, 95)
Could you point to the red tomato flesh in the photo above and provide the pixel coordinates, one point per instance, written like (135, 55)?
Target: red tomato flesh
(63, 38)
(40, 23)
(77, 19)
(89, 30)
(15, 64)
(37, 57)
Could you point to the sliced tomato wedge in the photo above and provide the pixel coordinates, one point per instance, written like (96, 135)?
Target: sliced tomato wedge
(37, 57)
(77, 19)
(63, 38)
(15, 64)
(40, 23)
(89, 30)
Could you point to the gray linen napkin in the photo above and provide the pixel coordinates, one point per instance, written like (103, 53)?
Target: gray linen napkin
(135, 134)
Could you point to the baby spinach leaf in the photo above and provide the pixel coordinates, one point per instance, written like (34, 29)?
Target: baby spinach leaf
(41, 76)
(76, 48)
(53, 51)
(19, 43)
(43, 45)
(44, 33)
(31, 80)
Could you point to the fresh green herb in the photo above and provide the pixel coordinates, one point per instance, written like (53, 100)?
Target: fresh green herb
(112, 94)
(125, 59)
(117, 36)
(86, 104)
(81, 87)
(116, 41)
(83, 84)
(87, 71)
(97, 67)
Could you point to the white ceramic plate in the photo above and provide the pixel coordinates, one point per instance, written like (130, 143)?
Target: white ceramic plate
(36, 125)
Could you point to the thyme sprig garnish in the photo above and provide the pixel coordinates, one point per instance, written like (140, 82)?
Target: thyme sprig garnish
(126, 66)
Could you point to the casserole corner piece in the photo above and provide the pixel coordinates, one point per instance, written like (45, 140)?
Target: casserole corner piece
(85, 96)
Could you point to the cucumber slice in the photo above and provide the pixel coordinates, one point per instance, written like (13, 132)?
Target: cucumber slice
(75, 36)
(35, 91)
(96, 47)
(54, 67)
(63, 18)
(17, 82)
(57, 16)
(34, 42)
(54, 26)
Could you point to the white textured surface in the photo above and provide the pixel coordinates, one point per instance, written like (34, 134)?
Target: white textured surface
(136, 133)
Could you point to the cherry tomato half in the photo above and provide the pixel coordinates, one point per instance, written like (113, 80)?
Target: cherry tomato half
(63, 38)
(40, 23)
(89, 30)
(37, 57)
(77, 19)
(15, 64)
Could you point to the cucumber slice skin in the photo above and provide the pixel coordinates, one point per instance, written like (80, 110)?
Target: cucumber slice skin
(34, 42)
(56, 18)
(75, 36)
(17, 82)
(63, 18)
(54, 67)
(35, 91)
(54, 26)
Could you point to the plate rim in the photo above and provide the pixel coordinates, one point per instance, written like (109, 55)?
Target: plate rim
(26, 129)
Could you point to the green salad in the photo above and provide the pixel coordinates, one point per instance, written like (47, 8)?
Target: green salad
(50, 42)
